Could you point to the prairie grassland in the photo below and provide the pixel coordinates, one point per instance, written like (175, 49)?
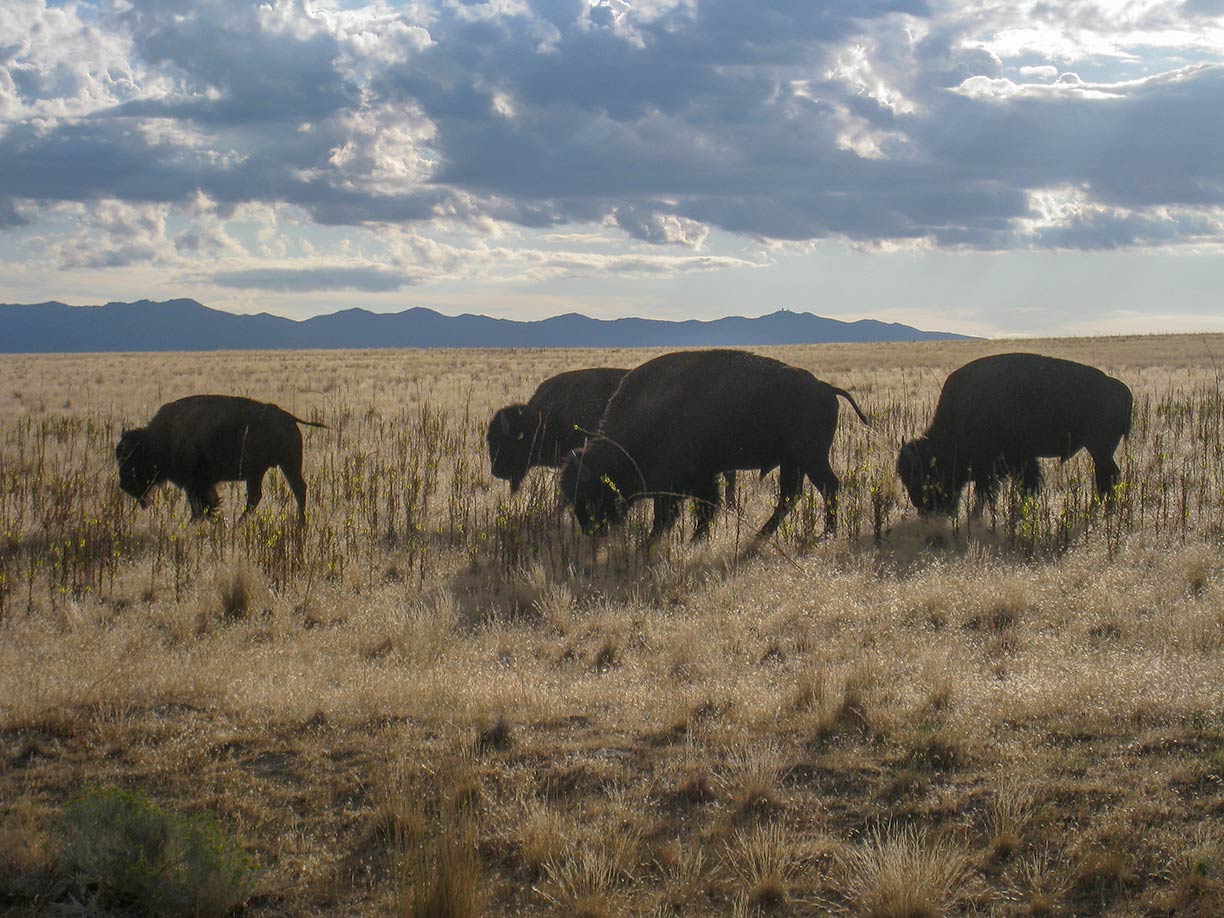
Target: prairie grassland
(436, 700)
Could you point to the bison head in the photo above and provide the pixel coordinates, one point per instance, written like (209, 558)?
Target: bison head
(594, 497)
(511, 438)
(928, 482)
(137, 470)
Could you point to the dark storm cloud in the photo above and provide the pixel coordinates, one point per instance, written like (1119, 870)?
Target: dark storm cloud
(788, 120)
(1158, 144)
(306, 280)
(10, 216)
(234, 71)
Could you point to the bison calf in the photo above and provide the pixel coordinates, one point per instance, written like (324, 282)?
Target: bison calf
(678, 421)
(201, 440)
(997, 415)
(555, 420)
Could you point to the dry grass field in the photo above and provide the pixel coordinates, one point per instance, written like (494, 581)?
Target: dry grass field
(436, 700)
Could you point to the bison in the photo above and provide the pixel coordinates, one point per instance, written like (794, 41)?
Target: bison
(997, 415)
(555, 421)
(198, 441)
(679, 420)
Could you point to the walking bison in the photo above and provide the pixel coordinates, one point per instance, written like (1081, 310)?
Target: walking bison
(678, 421)
(998, 415)
(198, 441)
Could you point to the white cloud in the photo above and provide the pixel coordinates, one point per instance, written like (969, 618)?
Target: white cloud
(1045, 72)
(386, 148)
(853, 67)
(1069, 85)
(56, 63)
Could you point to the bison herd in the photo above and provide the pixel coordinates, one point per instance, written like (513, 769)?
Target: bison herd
(674, 427)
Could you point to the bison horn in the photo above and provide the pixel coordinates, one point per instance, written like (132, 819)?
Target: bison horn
(505, 423)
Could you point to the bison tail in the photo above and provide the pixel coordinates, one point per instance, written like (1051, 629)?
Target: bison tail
(309, 423)
(853, 404)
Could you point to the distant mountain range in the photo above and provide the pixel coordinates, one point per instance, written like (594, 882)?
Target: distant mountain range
(185, 325)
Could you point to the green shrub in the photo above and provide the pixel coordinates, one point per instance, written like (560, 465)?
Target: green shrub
(137, 856)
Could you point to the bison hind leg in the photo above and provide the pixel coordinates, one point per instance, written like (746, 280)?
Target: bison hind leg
(1029, 476)
(826, 482)
(666, 509)
(985, 491)
(254, 489)
(790, 484)
(297, 485)
(1107, 475)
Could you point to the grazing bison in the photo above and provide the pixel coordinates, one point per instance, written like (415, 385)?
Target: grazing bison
(200, 440)
(555, 420)
(679, 420)
(997, 415)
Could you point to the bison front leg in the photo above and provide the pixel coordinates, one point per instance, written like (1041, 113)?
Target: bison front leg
(730, 500)
(985, 490)
(707, 509)
(666, 509)
(196, 503)
(203, 501)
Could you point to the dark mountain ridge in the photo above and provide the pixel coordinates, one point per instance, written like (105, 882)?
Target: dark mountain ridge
(186, 325)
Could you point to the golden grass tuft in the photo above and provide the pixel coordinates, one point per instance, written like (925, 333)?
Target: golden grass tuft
(542, 836)
(753, 780)
(585, 879)
(1008, 815)
(1038, 884)
(762, 861)
(440, 876)
(905, 873)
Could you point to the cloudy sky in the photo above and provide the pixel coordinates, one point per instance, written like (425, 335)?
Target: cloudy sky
(988, 167)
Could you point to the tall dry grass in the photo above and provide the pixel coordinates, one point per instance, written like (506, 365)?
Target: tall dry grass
(689, 731)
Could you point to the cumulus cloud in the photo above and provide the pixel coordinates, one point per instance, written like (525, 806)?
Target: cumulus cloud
(108, 234)
(652, 226)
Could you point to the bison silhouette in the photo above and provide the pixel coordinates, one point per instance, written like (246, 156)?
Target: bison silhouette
(678, 421)
(564, 410)
(198, 441)
(998, 415)
(555, 420)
